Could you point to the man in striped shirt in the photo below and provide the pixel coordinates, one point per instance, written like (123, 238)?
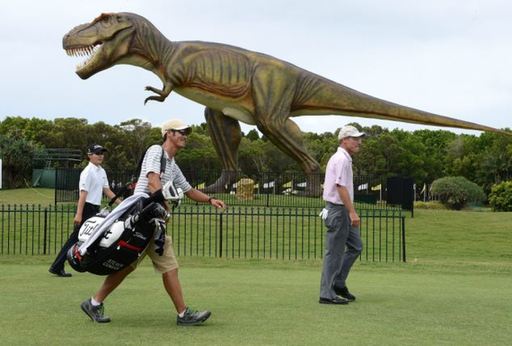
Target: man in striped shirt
(151, 180)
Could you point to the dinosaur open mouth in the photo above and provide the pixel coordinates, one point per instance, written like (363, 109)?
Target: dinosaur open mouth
(85, 51)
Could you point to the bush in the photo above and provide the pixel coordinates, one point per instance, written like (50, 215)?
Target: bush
(457, 192)
(500, 197)
(434, 205)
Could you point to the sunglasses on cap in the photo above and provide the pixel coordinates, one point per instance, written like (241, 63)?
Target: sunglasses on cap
(100, 152)
(184, 132)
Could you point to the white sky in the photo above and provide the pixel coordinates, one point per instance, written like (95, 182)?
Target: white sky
(450, 57)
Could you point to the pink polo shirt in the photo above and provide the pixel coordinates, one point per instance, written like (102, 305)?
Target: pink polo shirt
(338, 172)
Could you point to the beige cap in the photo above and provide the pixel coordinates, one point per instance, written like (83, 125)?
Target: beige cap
(173, 124)
(349, 131)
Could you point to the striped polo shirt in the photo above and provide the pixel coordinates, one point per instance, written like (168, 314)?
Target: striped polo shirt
(151, 163)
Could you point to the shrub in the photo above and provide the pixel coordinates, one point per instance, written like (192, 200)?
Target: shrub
(457, 192)
(500, 197)
(435, 205)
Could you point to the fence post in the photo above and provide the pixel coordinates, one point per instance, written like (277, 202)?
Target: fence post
(56, 185)
(45, 230)
(220, 235)
(403, 239)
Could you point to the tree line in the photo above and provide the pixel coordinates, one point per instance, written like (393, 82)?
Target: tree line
(424, 155)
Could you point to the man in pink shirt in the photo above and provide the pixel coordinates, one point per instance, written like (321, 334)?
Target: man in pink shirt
(342, 240)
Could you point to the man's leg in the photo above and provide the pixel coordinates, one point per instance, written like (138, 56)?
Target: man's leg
(186, 316)
(111, 282)
(168, 266)
(57, 266)
(335, 238)
(93, 307)
(173, 287)
(354, 247)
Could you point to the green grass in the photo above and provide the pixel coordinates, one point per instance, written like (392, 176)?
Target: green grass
(443, 236)
(261, 303)
(38, 195)
(456, 289)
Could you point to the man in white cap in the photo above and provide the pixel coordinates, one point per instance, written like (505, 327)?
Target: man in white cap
(342, 241)
(151, 180)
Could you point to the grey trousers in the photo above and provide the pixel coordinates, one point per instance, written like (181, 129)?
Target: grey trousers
(342, 247)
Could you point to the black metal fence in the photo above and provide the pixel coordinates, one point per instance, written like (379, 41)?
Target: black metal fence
(66, 184)
(269, 189)
(238, 232)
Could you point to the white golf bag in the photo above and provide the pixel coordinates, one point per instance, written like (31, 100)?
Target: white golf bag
(109, 244)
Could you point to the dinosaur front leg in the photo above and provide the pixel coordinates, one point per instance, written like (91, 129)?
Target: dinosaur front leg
(162, 94)
(226, 135)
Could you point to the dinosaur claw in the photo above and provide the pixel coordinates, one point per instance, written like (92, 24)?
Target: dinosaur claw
(154, 98)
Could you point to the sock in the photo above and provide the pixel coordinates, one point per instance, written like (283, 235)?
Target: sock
(94, 302)
(181, 314)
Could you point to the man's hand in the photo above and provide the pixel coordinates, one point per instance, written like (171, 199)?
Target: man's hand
(77, 219)
(354, 219)
(217, 203)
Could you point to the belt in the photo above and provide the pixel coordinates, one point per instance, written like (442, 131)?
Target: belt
(334, 204)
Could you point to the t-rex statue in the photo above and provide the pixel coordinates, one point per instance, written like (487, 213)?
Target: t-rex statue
(235, 85)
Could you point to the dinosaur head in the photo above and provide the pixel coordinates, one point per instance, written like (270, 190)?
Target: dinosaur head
(104, 41)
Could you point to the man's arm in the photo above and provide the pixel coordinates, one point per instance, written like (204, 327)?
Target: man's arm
(110, 194)
(154, 183)
(80, 207)
(199, 196)
(345, 198)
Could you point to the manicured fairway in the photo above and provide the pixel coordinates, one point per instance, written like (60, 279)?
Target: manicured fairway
(262, 303)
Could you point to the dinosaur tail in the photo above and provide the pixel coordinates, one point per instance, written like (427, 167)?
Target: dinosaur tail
(333, 98)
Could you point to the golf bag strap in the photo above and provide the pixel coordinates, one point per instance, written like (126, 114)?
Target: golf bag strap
(122, 191)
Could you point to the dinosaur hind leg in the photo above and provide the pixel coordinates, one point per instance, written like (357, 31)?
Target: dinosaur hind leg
(288, 137)
(273, 97)
(226, 135)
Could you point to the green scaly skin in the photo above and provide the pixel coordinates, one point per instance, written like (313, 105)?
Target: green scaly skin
(235, 85)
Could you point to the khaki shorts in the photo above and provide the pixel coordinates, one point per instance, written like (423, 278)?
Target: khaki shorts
(164, 263)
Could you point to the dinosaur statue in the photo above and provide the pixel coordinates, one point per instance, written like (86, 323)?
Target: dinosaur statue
(235, 85)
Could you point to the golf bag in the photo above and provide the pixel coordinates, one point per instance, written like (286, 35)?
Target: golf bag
(109, 244)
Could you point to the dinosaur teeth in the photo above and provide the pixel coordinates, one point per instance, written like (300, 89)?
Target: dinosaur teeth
(86, 51)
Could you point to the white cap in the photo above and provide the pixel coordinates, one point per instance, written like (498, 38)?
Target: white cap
(173, 124)
(349, 131)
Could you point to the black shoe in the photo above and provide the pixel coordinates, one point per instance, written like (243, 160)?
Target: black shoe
(192, 318)
(94, 312)
(336, 300)
(60, 272)
(343, 292)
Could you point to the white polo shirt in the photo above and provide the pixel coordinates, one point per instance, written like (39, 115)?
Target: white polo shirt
(338, 172)
(93, 179)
